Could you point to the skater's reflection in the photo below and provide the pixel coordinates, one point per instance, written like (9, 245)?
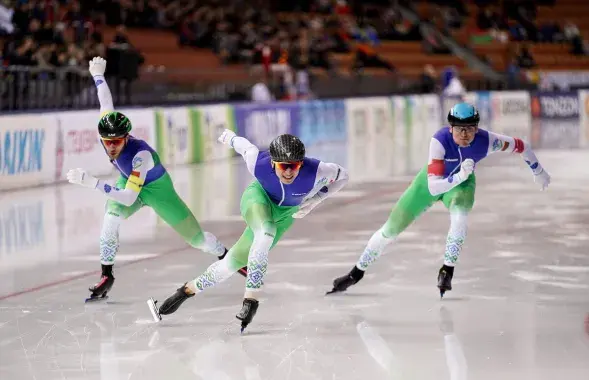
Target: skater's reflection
(378, 349)
(455, 359)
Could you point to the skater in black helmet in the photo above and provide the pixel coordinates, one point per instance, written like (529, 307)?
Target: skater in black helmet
(287, 186)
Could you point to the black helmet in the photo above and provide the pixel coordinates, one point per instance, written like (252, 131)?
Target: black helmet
(114, 124)
(287, 148)
(463, 114)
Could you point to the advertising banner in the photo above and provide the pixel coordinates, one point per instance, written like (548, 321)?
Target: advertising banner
(261, 123)
(423, 125)
(208, 123)
(28, 151)
(175, 136)
(556, 120)
(371, 144)
(584, 118)
(79, 144)
(482, 101)
(511, 113)
(322, 128)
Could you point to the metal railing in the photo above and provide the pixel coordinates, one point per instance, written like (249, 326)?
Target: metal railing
(26, 89)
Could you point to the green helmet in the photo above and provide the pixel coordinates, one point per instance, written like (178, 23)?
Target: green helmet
(114, 124)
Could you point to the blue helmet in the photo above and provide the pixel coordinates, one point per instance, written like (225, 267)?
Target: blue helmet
(463, 114)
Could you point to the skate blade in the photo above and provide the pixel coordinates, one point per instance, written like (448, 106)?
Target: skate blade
(334, 291)
(95, 299)
(153, 308)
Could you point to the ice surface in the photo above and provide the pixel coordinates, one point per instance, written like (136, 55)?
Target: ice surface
(516, 312)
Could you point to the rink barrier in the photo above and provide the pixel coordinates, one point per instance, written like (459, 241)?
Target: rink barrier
(373, 137)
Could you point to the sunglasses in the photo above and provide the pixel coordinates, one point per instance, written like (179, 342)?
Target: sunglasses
(296, 165)
(113, 142)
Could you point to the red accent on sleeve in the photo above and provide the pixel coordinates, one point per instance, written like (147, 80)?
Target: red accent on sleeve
(436, 168)
(136, 174)
(519, 146)
(505, 146)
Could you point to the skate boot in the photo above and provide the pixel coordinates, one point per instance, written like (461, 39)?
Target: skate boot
(170, 305)
(103, 286)
(342, 283)
(445, 279)
(241, 271)
(248, 311)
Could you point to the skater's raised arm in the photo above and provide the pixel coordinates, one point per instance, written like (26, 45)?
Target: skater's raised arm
(97, 66)
(248, 151)
(142, 163)
(508, 144)
(437, 183)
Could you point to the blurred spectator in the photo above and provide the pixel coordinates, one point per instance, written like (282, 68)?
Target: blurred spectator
(6, 26)
(366, 55)
(524, 58)
(428, 81)
(260, 91)
(451, 84)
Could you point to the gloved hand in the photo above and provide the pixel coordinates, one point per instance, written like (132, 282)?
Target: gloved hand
(97, 66)
(226, 137)
(307, 206)
(466, 168)
(542, 178)
(80, 177)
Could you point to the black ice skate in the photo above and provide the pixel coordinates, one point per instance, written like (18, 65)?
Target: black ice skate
(170, 305)
(247, 313)
(445, 279)
(103, 286)
(241, 271)
(342, 283)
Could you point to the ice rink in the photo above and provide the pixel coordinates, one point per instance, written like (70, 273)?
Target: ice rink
(517, 311)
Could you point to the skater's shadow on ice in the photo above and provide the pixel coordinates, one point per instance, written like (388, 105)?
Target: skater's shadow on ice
(346, 294)
(454, 299)
(116, 303)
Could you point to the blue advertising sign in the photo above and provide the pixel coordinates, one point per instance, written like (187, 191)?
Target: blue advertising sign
(261, 123)
(21, 151)
(483, 104)
(556, 120)
(322, 127)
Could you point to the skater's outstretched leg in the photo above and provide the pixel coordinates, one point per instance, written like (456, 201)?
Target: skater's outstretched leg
(414, 201)
(216, 273)
(174, 211)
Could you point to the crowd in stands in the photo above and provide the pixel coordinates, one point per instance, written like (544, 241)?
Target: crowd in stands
(58, 33)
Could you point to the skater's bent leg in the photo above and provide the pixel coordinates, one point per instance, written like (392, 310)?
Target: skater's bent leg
(459, 202)
(109, 239)
(259, 218)
(109, 236)
(456, 237)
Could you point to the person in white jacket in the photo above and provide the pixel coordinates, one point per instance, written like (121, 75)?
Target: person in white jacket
(287, 186)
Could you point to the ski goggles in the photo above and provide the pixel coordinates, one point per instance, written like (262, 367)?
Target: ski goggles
(465, 128)
(295, 165)
(118, 141)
